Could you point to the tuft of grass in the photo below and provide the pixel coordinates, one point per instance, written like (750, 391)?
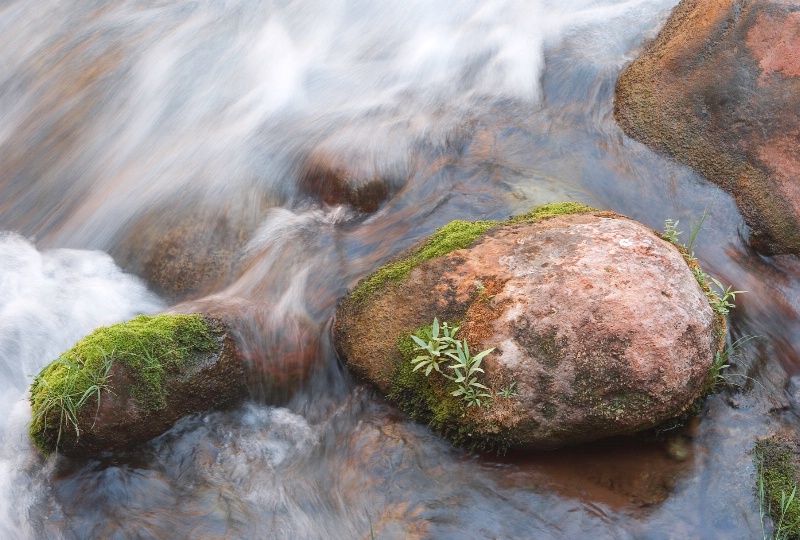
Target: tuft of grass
(455, 235)
(65, 400)
(721, 299)
(722, 361)
(147, 346)
(776, 487)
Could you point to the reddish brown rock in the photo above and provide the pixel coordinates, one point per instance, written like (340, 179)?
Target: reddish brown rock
(335, 180)
(600, 323)
(718, 90)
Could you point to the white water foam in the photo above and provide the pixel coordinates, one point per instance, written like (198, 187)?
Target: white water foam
(149, 99)
(48, 300)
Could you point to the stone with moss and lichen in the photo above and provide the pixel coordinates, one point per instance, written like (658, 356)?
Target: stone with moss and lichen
(777, 464)
(597, 321)
(126, 383)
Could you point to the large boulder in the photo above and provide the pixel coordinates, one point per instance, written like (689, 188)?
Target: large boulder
(127, 383)
(599, 327)
(718, 90)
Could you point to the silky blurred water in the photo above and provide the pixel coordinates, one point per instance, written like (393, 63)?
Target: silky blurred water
(131, 125)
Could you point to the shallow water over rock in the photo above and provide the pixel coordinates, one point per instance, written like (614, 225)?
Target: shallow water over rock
(474, 109)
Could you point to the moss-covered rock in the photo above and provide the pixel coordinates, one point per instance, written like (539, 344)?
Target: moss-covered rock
(598, 321)
(777, 463)
(127, 383)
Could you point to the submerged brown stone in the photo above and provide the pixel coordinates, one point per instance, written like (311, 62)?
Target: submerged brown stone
(334, 180)
(189, 248)
(718, 90)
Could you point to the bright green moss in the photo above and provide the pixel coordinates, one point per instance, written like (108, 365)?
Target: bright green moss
(455, 235)
(776, 466)
(550, 210)
(148, 346)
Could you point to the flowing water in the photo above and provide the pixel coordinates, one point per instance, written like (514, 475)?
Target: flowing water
(124, 121)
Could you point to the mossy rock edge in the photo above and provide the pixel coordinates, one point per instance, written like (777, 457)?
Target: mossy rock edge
(147, 373)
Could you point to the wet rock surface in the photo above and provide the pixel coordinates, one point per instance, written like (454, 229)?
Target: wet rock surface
(718, 90)
(280, 348)
(598, 321)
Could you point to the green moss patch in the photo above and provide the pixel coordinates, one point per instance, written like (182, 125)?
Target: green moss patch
(455, 235)
(776, 463)
(148, 347)
(549, 210)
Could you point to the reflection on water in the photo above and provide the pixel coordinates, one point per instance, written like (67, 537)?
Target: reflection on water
(174, 135)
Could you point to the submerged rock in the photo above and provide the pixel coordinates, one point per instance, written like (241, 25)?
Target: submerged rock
(718, 90)
(189, 248)
(280, 346)
(124, 384)
(599, 328)
(334, 180)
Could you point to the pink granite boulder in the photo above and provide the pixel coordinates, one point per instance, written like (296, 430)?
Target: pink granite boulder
(598, 322)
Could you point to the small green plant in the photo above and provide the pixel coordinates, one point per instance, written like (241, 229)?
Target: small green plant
(481, 288)
(696, 227)
(671, 231)
(722, 301)
(509, 391)
(438, 348)
(466, 369)
(722, 361)
(435, 347)
(786, 504)
(700, 276)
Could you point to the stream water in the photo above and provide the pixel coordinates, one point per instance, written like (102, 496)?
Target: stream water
(124, 120)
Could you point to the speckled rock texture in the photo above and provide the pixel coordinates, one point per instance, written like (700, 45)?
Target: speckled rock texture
(598, 320)
(718, 90)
